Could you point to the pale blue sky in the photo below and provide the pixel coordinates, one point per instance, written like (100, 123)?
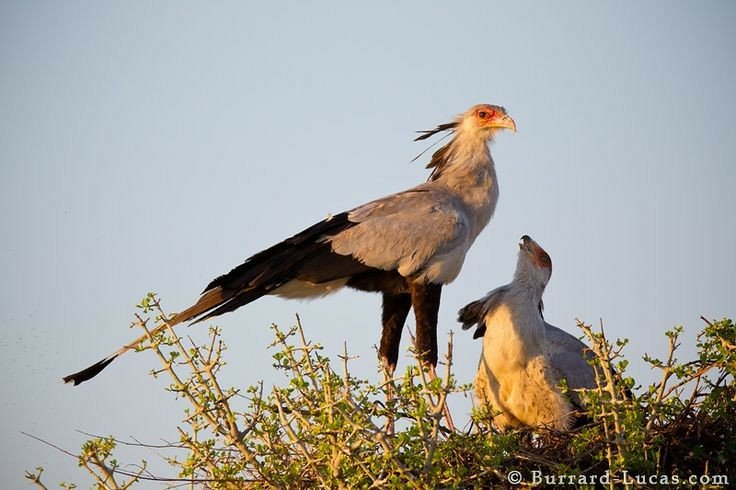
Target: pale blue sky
(154, 146)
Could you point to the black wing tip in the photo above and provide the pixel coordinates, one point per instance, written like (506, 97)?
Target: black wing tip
(334, 223)
(469, 314)
(480, 332)
(88, 373)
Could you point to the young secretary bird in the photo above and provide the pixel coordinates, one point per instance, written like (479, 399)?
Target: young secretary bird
(405, 246)
(524, 358)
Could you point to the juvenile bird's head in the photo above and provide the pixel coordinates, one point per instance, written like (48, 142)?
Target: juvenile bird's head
(534, 267)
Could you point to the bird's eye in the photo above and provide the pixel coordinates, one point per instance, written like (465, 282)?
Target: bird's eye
(545, 259)
(483, 115)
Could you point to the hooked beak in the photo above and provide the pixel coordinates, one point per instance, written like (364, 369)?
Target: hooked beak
(506, 122)
(528, 245)
(524, 243)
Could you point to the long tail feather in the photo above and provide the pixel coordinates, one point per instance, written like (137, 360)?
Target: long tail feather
(95, 369)
(90, 372)
(256, 277)
(211, 299)
(234, 303)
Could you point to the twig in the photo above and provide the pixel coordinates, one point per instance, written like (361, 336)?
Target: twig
(35, 478)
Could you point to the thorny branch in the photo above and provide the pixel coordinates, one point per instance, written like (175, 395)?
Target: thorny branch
(331, 429)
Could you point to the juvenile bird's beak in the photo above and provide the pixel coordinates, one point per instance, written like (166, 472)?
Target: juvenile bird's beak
(524, 243)
(528, 245)
(506, 122)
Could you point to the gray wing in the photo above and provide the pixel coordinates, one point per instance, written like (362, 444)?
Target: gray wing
(568, 358)
(405, 231)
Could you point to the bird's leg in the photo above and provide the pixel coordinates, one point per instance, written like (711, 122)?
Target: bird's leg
(395, 310)
(425, 299)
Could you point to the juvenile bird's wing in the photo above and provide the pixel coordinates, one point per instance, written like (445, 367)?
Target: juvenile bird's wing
(475, 312)
(407, 231)
(568, 358)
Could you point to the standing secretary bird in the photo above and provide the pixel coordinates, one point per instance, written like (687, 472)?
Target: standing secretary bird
(405, 246)
(524, 358)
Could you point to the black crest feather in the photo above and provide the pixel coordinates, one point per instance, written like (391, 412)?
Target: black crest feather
(428, 133)
(441, 156)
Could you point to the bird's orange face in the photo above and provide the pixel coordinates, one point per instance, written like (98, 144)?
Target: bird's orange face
(493, 117)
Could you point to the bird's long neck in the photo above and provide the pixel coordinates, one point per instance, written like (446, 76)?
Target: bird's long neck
(527, 284)
(465, 166)
(525, 292)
